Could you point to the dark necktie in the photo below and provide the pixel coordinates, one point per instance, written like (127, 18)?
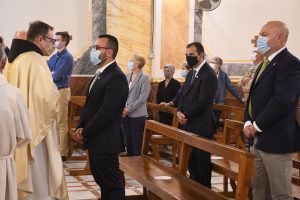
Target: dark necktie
(193, 76)
(94, 80)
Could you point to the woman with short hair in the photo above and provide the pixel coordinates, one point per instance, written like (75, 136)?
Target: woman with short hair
(135, 111)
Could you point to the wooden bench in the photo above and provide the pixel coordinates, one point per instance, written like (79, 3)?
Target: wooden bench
(236, 128)
(141, 168)
(157, 140)
(73, 119)
(228, 112)
(232, 101)
(75, 103)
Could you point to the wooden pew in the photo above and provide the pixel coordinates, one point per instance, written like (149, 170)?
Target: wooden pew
(157, 140)
(233, 127)
(228, 112)
(75, 103)
(73, 119)
(232, 101)
(143, 168)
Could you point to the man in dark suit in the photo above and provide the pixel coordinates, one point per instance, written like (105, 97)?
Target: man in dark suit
(100, 123)
(195, 109)
(271, 114)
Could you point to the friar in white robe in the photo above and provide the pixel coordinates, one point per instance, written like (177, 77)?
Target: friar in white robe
(39, 166)
(14, 131)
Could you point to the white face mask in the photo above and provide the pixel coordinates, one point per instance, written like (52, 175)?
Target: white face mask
(253, 56)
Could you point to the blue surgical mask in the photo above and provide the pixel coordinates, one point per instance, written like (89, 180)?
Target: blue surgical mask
(130, 65)
(94, 56)
(57, 45)
(262, 44)
(183, 73)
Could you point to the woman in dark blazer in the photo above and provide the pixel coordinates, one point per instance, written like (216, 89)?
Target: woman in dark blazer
(135, 112)
(167, 90)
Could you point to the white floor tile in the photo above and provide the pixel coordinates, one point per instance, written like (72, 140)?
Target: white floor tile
(70, 179)
(76, 195)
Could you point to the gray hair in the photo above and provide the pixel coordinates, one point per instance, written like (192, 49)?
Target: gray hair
(218, 60)
(171, 67)
(2, 54)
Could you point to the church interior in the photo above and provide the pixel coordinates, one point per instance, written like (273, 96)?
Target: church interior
(160, 30)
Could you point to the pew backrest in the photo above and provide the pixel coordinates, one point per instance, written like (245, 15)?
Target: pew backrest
(155, 108)
(188, 141)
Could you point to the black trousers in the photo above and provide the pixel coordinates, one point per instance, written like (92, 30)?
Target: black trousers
(134, 129)
(217, 115)
(200, 167)
(105, 170)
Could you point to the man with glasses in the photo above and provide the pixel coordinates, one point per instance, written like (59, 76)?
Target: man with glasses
(99, 128)
(61, 66)
(39, 165)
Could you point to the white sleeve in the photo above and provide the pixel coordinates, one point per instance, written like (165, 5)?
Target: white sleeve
(23, 132)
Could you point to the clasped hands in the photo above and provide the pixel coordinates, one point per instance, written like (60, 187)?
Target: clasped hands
(250, 131)
(77, 135)
(181, 118)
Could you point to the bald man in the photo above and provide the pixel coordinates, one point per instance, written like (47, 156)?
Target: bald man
(22, 35)
(271, 114)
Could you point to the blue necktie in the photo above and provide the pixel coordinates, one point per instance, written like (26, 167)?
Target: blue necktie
(193, 76)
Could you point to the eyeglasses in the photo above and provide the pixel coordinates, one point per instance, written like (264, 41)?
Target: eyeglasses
(51, 39)
(99, 47)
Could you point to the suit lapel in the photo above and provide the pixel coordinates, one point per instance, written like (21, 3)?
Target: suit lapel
(107, 70)
(136, 80)
(269, 67)
(196, 80)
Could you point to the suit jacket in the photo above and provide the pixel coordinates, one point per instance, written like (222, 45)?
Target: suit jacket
(138, 94)
(197, 100)
(101, 117)
(274, 99)
(223, 84)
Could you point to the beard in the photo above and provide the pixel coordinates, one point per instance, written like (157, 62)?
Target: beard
(48, 50)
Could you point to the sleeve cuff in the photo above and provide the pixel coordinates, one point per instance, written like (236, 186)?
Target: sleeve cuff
(256, 127)
(247, 123)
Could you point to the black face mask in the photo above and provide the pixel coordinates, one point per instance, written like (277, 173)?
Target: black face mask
(191, 60)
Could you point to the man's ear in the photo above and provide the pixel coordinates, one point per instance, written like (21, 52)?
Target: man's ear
(39, 39)
(110, 52)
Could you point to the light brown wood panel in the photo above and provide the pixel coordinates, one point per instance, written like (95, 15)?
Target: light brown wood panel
(130, 21)
(174, 31)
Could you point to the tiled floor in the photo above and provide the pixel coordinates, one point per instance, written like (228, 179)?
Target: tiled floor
(84, 187)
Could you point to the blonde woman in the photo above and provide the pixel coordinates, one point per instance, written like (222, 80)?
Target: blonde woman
(135, 111)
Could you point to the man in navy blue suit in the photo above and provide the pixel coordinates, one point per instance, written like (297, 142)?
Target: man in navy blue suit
(271, 114)
(195, 109)
(99, 128)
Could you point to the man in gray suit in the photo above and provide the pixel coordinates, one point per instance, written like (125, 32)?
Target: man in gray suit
(135, 111)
